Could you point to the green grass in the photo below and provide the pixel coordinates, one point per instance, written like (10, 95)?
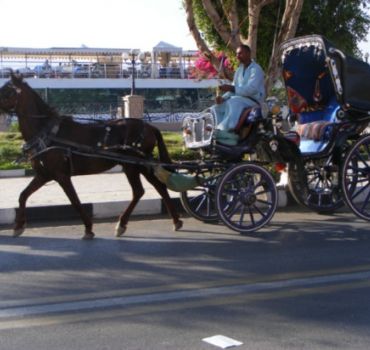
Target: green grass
(175, 145)
(11, 150)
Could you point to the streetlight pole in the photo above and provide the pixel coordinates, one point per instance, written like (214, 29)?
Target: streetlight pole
(133, 104)
(133, 54)
(367, 57)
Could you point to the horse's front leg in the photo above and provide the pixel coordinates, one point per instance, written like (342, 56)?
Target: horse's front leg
(20, 219)
(66, 183)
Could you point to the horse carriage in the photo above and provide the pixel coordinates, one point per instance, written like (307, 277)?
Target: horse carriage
(325, 149)
(329, 98)
(234, 186)
(326, 154)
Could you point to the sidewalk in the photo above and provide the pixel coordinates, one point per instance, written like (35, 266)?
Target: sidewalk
(104, 195)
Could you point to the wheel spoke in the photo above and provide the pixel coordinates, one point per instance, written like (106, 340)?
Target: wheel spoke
(236, 208)
(264, 202)
(362, 189)
(259, 211)
(363, 161)
(366, 201)
(356, 178)
(241, 216)
(251, 216)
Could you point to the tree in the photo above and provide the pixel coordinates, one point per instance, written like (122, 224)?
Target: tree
(348, 25)
(228, 23)
(223, 24)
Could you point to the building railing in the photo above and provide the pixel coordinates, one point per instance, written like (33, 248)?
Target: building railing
(89, 70)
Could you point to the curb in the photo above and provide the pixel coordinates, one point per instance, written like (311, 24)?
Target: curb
(12, 173)
(103, 210)
(30, 172)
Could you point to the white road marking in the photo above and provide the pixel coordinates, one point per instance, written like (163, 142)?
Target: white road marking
(8, 311)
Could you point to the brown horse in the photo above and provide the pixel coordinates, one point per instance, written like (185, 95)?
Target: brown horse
(60, 147)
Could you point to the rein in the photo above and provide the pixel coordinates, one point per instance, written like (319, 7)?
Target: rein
(47, 140)
(42, 140)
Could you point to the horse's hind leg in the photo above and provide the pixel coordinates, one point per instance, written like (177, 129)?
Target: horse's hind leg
(133, 177)
(66, 183)
(20, 219)
(162, 190)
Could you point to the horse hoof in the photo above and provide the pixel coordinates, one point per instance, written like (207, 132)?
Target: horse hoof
(18, 231)
(120, 230)
(88, 236)
(178, 225)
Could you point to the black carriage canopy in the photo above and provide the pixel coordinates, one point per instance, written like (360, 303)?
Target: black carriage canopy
(316, 75)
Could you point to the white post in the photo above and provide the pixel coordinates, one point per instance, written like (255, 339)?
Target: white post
(3, 122)
(181, 60)
(133, 106)
(154, 74)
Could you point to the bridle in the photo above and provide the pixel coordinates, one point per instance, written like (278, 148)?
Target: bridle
(15, 93)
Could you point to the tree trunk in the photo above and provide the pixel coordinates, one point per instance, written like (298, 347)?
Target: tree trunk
(254, 11)
(217, 22)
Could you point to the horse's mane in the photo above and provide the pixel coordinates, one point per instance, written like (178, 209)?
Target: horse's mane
(44, 108)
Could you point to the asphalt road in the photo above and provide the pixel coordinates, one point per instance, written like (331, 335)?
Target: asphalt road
(300, 283)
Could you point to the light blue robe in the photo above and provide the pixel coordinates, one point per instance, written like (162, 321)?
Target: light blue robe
(247, 82)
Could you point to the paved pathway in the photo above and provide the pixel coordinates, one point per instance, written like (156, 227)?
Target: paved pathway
(104, 195)
(106, 187)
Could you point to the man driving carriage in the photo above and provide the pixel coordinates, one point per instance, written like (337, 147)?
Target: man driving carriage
(247, 90)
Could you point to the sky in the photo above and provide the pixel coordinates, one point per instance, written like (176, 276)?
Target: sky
(365, 45)
(139, 24)
(134, 24)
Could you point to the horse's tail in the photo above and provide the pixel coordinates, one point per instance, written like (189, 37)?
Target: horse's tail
(164, 156)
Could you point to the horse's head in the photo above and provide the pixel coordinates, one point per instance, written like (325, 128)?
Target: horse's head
(9, 93)
(18, 97)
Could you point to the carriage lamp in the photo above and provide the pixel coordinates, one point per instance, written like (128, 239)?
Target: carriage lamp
(275, 109)
(279, 167)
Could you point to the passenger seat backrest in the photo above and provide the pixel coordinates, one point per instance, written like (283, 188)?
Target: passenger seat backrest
(317, 125)
(327, 114)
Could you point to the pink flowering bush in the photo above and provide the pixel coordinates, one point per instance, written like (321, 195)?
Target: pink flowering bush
(203, 68)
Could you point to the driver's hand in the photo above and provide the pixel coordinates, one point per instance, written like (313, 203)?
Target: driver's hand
(219, 99)
(227, 88)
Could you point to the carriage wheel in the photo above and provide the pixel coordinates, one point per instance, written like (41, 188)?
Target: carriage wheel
(356, 178)
(200, 201)
(323, 194)
(246, 197)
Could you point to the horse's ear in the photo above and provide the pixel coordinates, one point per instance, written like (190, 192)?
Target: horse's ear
(19, 75)
(16, 77)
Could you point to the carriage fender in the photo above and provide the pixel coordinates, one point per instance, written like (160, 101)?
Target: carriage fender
(175, 181)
